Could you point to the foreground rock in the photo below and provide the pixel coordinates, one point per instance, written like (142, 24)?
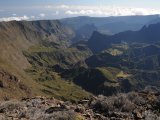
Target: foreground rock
(144, 105)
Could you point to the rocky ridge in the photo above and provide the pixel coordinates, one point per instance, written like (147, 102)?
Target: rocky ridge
(143, 105)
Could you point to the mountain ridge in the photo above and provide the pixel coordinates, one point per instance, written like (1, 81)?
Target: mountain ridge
(17, 37)
(145, 35)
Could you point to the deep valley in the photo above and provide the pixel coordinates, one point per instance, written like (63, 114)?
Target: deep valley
(73, 62)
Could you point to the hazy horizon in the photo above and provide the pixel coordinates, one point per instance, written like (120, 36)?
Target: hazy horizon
(55, 9)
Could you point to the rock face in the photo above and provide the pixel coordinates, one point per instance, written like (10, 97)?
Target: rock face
(9, 82)
(18, 36)
(142, 105)
(133, 105)
(84, 33)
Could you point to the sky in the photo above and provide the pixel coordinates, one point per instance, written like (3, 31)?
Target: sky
(56, 9)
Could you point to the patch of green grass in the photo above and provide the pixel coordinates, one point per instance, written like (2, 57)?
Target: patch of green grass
(64, 90)
(107, 74)
(43, 57)
(121, 47)
(49, 56)
(123, 75)
(114, 52)
(53, 85)
(113, 70)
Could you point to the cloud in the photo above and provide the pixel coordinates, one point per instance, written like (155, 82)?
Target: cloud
(64, 6)
(84, 12)
(61, 11)
(77, 10)
(42, 15)
(57, 7)
(109, 11)
(14, 18)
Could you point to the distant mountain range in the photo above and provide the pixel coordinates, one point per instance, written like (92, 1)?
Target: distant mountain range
(148, 34)
(107, 25)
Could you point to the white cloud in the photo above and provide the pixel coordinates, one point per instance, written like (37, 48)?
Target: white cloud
(58, 7)
(110, 11)
(42, 15)
(85, 12)
(64, 6)
(102, 10)
(14, 18)
(61, 11)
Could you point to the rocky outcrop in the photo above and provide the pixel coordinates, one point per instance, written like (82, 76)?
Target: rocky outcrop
(7, 77)
(41, 108)
(142, 105)
(11, 83)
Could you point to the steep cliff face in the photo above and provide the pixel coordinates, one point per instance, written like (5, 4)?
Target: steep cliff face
(18, 36)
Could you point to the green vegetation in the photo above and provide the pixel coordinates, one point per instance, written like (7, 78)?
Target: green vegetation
(114, 52)
(19, 36)
(107, 74)
(50, 56)
(123, 75)
(64, 90)
(117, 49)
(43, 60)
